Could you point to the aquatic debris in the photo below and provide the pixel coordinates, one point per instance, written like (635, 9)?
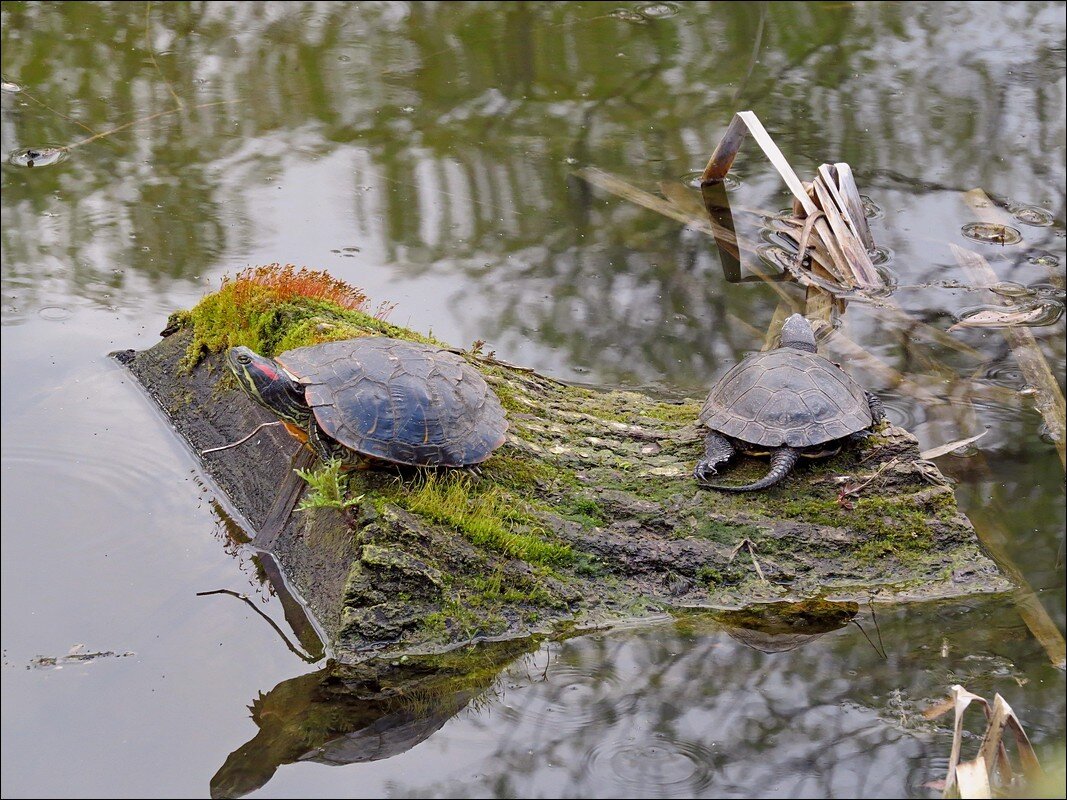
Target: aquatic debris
(1033, 365)
(38, 156)
(628, 15)
(75, 655)
(657, 10)
(1032, 314)
(1032, 215)
(828, 213)
(1044, 260)
(945, 449)
(991, 233)
(991, 770)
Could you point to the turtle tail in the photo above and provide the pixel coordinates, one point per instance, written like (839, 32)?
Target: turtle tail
(781, 462)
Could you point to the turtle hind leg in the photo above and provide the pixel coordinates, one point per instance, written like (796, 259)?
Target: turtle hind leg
(781, 463)
(717, 450)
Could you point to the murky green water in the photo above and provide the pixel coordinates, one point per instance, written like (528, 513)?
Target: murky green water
(427, 153)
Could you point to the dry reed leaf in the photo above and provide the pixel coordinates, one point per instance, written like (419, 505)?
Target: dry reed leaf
(941, 450)
(991, 769)
(850, 195)
(939, 709)
(999, 319)
(961, 699)
(973, 780)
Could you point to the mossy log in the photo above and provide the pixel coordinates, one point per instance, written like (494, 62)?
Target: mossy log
(587, 515)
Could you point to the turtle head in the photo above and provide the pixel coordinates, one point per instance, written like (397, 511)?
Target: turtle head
(267, 382)
(797, 332)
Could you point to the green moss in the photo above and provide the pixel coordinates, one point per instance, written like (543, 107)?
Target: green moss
(583, 510)
(897, 527)
(521, 473)
(508, 399)
(486, 514)
(678, 413)
(721, 531)
(498, 589)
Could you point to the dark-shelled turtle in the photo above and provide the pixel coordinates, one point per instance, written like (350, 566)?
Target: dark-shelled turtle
(377, 398)
(788, 402)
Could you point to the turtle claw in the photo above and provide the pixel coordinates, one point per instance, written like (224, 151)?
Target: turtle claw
(702, 471)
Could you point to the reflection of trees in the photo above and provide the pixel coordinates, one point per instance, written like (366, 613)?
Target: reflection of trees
(464, 116)
(683, 713)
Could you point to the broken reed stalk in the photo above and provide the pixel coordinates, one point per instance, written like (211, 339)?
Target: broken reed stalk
(991, 769)
(843, 233)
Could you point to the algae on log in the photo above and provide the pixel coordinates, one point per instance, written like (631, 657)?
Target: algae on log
(587, 515)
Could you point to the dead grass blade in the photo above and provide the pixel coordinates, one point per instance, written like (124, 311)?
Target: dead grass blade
(1000, 319)
(944, 449)
(991, 771)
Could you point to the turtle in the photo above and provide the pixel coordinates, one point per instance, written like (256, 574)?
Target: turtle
(376, 399)
(788, 402)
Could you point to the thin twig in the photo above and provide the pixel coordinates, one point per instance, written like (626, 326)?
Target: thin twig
(152, 55)
(240, 441)
(149, 118)
(846, 491)
(29, 96)
(310, 659)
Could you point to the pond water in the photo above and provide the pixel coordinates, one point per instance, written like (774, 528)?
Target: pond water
(428, 154)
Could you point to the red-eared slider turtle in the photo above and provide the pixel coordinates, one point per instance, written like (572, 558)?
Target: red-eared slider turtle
(377, 398)
(788, 402)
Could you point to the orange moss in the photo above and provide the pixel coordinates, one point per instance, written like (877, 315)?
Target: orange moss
(273, 308)
(288, 282)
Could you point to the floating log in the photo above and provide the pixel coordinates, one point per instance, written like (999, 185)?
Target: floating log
(588, 514)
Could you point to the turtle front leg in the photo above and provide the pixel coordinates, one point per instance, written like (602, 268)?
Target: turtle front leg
(322, 445)
(874, 402)
(717, 450)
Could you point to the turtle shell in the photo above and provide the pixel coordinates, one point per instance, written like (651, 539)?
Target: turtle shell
(786, 397)
(400, 401)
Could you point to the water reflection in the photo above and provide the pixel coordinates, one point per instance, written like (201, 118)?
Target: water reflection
(458, 151)
(689, 709)
(352, 714)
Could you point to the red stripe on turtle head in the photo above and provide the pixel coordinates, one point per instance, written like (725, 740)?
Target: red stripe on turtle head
(267, 369)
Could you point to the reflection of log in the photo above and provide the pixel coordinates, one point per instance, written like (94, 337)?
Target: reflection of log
(779, 627)
(347, 715)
